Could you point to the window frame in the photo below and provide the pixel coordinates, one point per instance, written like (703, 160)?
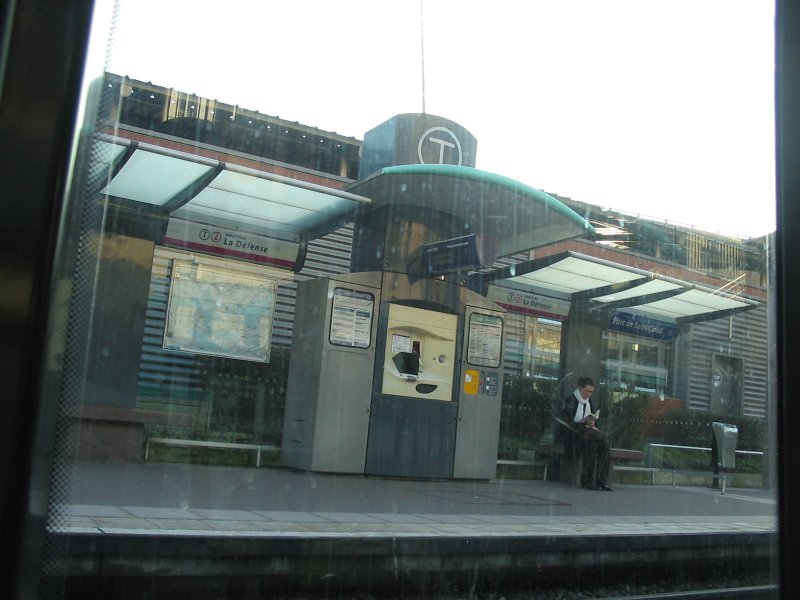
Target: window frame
(49, 39)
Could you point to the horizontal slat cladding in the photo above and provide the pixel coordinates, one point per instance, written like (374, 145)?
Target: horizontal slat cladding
(748, 342)
(159, 368)
(283, 318)
(514, 345)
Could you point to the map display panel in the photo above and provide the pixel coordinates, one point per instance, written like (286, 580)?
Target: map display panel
(220, 311)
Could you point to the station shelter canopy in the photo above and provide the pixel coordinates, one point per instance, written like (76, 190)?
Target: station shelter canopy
(608, 285)
(200, 189)
(514, 216)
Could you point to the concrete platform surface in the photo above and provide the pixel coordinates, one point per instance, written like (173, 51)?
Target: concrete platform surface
(197, 500)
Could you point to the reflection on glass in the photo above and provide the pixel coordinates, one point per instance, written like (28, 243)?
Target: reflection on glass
(263, 355)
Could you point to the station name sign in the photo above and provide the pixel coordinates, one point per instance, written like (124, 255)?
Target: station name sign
(642, 326)
(529, 303)
(458, 254)
(229, 243)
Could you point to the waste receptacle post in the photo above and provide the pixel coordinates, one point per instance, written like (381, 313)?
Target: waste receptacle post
(714, 458)
(723, 449)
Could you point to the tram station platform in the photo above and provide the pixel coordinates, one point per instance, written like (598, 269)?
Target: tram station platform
(305, 530)
(163, 497)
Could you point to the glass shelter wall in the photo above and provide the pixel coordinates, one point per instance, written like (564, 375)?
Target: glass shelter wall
(533, 347)
(632, 366)
(274, 371)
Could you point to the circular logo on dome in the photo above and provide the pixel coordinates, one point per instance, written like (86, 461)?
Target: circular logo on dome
(439, 146)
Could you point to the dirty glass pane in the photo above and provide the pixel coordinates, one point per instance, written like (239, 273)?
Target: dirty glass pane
(418, 299)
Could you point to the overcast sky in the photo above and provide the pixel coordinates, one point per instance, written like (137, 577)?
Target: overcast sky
(657, 108)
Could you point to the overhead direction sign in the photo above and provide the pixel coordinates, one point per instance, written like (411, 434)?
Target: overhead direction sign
(463, 253)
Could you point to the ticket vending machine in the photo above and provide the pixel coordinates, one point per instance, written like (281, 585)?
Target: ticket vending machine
(413, 415)
(326, 418)
(394, 376)
(419, 353)
(480, 393)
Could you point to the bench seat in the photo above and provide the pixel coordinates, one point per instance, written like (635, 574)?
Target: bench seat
(557, 450)
(156, 441)
(570, 468)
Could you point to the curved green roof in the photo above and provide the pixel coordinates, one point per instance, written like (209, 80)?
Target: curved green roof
(516, 215)
(489, 178)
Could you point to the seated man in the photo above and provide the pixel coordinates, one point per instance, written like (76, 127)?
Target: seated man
(584, 439)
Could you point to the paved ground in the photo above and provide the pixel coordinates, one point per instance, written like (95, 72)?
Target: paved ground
(160, 498)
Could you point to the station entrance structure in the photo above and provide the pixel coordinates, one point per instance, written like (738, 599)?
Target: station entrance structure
(397, 367)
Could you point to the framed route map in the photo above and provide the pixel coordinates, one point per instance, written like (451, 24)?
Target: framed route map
(220, 311)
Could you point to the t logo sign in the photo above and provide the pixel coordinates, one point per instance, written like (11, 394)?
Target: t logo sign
(439, 145)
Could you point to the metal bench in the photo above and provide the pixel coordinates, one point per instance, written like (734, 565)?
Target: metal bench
(556, 451)
(722, 477)
(205, 444)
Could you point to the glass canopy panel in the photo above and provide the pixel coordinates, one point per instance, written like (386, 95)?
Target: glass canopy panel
(278, 205)
(237, 197)
(654, 286)
(234, 205)
(153, 178)
(258, 186)
(692, 302)
(576, 275)
(594, 274)
(538, 281)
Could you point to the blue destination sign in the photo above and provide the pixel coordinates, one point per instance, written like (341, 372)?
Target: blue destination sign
(448, 256)
(642, 326)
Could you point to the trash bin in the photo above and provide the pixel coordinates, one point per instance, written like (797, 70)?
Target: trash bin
(723, 448)
(725, 437)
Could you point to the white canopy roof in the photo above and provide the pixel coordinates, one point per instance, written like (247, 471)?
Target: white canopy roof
(206, 190)
(197, 188)
(611, 285)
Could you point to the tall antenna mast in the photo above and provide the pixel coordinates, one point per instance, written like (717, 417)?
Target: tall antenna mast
(422, 47)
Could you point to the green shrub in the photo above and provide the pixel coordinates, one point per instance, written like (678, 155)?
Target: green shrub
(626, 422)
(685, 427)
(526, 414)
(238, 401)
(694, 460)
